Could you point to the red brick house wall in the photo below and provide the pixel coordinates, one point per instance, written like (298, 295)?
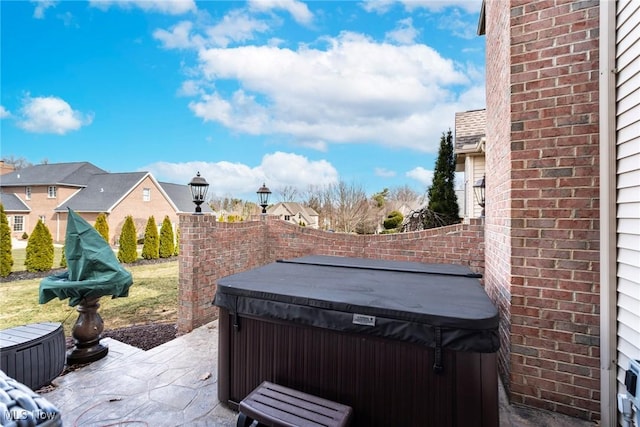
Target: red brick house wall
(542, 198)
(210, 250)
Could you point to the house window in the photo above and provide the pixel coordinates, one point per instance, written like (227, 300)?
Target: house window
(53, 192)
(287, 217)
(18, 223)
(146, 194)
(27, 193)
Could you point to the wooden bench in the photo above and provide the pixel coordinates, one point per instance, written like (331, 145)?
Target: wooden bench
(277, 406)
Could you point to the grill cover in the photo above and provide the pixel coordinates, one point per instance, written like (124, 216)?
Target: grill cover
(435, 305)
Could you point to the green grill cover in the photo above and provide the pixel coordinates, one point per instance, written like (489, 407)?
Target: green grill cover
(93, 269)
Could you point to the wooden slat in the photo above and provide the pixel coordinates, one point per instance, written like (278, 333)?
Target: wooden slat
(271, 403)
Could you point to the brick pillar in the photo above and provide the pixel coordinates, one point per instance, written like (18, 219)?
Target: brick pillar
(194, 287)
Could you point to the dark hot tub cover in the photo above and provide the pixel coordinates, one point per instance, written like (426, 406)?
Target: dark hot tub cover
(436, 305)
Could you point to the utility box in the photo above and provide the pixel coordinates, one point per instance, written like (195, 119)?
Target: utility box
(632, 382)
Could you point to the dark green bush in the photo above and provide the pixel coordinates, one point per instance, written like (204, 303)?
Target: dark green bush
(151, 245)
(177, 247)
(166, 239)
(6, 257)
(128, 251)
(393, 220)
(102, 226)
(39, 253)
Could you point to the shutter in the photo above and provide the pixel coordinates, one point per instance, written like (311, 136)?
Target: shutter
(628, 184)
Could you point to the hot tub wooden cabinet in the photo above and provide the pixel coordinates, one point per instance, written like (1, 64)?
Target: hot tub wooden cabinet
(401, 343)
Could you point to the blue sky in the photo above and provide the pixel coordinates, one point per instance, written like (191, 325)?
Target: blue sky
(284, 92)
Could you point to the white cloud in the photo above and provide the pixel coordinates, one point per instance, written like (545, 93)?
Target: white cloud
(422, 175)
(298, 10)
(236, 26)
(405, 32)
(470, 6)
(179, 37)
(355, 91)
(383, 6)
(385, 173)
(51, 115)
(278, 170)
(4, 113)
(41, 7)
(169, 7)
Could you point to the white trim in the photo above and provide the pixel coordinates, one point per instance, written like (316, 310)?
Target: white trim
(608, 280)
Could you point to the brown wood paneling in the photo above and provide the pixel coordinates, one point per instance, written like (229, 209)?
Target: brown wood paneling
(385, 382)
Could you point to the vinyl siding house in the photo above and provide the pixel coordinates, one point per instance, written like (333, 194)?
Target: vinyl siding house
(469, 147)
(47, 191)
(295, 213)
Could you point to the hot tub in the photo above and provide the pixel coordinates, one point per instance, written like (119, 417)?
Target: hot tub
(402, 343)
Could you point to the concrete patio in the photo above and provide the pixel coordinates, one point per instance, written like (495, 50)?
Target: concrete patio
(175, 385)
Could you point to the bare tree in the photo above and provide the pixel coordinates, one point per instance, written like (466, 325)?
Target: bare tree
(17, 162)
(350, 206)
(288, 194)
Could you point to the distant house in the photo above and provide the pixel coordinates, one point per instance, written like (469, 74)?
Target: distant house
(295, 213)
(45, 192)
(470, 139)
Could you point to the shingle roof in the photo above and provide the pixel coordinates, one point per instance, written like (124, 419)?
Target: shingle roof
(69, 174)
(102, 192)
(13, 203)
(471, 127)
(181, 197)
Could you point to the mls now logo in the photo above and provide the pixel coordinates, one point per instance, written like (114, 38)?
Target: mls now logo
(30, 417)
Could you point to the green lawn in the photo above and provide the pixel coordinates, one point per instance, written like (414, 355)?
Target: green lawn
(153, 297)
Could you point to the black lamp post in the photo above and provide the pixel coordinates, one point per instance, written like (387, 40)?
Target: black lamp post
(263, 197)
(198, 187)
(478, 189)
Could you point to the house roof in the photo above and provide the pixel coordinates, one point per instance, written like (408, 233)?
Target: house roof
(102, 192)
(294, 208)
(471, 129)
(181, 197)
(13, 203)
(98, 190)
(68, 174)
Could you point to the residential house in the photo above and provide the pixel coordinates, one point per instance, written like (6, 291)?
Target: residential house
(469, 147)
(562, 226)
(46, 192)
(295, 213)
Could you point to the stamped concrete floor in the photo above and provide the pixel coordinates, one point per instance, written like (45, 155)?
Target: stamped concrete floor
(175, 385)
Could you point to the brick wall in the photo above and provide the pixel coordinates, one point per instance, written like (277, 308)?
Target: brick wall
(498, 177)
(550, 220)
(210, 250)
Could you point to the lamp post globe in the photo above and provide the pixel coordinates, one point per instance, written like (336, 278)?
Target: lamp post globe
(263, 197)
(478, 189)
(198, 187)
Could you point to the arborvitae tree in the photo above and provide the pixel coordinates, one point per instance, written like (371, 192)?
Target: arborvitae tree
(63, 259)
(151, 244)
(177, 248)
(102, 226)
(442, 196)
(6, 257)
(39, 256)
(128, 251)
(166, 239)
